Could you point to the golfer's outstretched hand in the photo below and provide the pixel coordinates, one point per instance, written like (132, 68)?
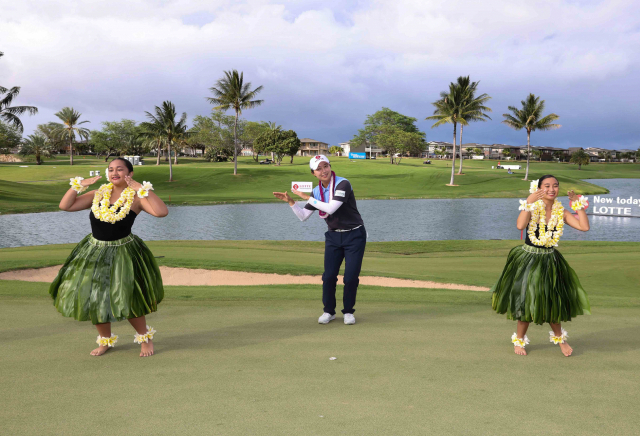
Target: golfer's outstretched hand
(284, 196)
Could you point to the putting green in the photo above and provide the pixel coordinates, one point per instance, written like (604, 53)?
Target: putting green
(253, 360)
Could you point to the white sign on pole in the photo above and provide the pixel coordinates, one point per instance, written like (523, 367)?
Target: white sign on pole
(302, 186)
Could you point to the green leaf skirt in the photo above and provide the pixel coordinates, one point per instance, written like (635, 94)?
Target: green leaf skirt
(538, 285)
(107, 281)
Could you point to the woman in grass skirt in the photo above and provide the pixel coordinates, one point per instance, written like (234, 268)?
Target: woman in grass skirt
(537, 284)
(111, 275)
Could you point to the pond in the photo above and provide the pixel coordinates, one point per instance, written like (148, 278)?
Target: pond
(385, 220)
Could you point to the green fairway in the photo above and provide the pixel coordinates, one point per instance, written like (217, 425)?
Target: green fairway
(253, 360)
(39, 188)
(608, 264)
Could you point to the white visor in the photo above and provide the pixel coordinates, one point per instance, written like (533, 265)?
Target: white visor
(315, 161)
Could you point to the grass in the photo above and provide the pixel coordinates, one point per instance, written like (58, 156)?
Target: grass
(464, 262)
(252, 360)
(39, 188)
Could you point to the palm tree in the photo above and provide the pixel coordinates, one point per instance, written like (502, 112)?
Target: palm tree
(153, 133)
(165, 128)
(36, 145)
(9, 113)
(231, 92)
(580, 157)
(530, 118)
(275, 129)
(473, 107)
(69, 128)
(449, 111)
(48, 131)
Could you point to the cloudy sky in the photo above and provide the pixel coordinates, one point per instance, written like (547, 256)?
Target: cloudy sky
(326, 64)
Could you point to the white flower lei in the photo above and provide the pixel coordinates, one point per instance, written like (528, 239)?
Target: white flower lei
(101, 205)
(547, 237)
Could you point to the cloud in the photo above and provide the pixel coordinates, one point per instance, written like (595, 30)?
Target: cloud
(326, 65)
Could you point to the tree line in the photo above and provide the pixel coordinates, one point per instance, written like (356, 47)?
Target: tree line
(220, 136)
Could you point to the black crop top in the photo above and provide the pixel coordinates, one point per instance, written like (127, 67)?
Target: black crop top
(103, 231)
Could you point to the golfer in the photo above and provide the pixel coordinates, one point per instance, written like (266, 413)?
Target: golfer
(345, 239)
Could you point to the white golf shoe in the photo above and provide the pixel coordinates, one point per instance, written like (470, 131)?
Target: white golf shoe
(326, 318)
(349, 319)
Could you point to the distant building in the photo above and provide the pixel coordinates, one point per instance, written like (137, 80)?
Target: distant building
(311, 147)
(372, 150)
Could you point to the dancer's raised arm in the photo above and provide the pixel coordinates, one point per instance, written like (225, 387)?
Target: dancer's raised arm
(72, 201)
(582, 222)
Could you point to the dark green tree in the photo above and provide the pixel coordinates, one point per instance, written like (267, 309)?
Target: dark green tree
(580, 157)
(380, 125)
(10, 138)
(36, 145)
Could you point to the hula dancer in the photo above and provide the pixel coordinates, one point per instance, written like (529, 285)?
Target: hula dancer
(345, 240)
(111, 275)
(537, 284)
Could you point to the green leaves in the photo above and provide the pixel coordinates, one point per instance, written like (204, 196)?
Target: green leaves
(580, 157)
(530, 116)
(280, 142)
(231, 92)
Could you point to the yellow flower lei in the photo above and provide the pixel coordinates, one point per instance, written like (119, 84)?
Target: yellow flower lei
(547, 238)
(101, 205)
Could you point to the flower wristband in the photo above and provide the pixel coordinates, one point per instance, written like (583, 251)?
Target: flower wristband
(581, 203)
(143, 192)
(525, 206)
(76, 184)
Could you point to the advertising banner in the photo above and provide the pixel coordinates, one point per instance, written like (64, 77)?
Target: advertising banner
(357, 155)
(615, 206)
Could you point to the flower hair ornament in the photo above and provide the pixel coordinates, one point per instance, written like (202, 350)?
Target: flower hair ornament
(533, 186)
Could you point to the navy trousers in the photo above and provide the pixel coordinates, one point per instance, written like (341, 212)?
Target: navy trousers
(339, 246)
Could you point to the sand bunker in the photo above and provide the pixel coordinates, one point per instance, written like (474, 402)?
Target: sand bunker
(205, 277)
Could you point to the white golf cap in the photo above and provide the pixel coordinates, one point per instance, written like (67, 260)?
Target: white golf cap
(315, 161)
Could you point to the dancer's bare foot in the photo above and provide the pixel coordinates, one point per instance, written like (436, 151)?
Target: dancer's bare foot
(100, 351)
(519, 350)
(566, 349)
(147, 349)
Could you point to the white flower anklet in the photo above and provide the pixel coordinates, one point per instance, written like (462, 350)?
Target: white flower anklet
(139, 339)
(558, 339)
(519, 342)
(104, 341)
